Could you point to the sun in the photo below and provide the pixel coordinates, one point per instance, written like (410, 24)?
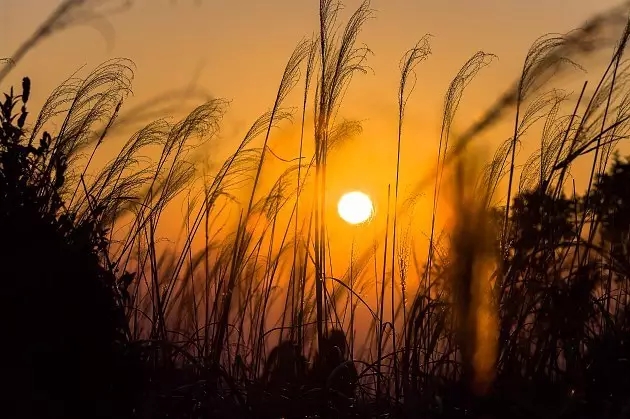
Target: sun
(355, 207)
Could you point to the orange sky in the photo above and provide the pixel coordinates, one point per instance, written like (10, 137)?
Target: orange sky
(237, 49)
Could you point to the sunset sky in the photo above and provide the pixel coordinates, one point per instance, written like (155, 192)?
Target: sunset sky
(237, 49)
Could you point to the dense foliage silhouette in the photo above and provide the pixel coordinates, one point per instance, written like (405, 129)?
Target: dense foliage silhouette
(67, 331)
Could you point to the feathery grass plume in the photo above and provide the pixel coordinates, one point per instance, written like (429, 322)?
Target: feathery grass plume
(451, 104)
(289, 79)
(298, 282)
(538, 168)
(473, 254)
(452, 99)
(339, 60)
(70, 296)
(128, 185)
(67, 14)
(550, 55)
(557, 55)
(408, 63)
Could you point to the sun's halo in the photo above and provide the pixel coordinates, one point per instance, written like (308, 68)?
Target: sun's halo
(355, 207)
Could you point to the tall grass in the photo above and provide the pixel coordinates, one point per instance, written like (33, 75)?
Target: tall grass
(524, 303)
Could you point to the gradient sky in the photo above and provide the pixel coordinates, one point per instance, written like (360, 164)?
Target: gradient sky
(237, 49)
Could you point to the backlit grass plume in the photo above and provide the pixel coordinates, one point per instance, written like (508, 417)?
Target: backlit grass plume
(471, 274)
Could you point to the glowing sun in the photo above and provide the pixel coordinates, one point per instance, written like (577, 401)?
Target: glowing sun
(355, 207)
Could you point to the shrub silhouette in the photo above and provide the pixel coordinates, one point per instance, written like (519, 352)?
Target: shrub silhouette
(285, 367)
(333, 373)
(65, 327)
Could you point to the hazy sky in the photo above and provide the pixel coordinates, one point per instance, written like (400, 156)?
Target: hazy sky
(237, 49)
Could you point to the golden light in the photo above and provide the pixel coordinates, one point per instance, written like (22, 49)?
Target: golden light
(355, 207)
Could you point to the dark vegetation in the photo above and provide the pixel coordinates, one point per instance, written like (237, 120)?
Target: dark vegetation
(522, 312)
